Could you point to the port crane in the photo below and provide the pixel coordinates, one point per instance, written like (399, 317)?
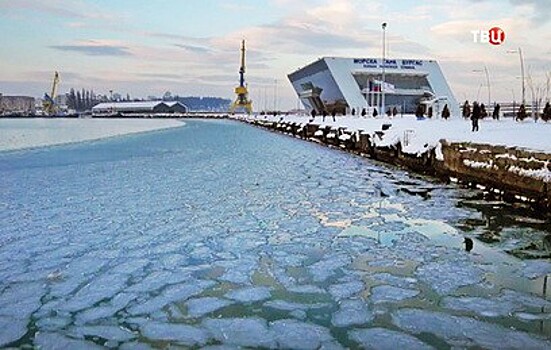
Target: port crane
(49, 104)
(242, 100)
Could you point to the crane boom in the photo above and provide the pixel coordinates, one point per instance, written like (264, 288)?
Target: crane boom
(49, 103)
(242, 92)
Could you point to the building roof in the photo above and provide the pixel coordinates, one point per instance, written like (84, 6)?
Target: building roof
(127, 105)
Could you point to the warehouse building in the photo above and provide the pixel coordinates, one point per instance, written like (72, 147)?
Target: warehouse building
(344, 84)
(17, 105)
(139, 108)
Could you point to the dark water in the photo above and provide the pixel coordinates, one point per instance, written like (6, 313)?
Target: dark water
(218, 233)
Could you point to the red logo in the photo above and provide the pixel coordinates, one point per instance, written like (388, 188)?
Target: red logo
(497, 36)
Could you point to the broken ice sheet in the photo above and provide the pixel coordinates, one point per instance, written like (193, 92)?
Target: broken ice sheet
(384, 293)
(386, 339)
(180, 333)
(447, 276)
(249, 295)
(202, 306)
(248, 332)
(352, 312)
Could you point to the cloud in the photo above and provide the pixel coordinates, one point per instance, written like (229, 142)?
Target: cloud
(95, 48)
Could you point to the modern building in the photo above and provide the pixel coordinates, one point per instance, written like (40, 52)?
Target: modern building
(139, 108)
(344, 84)
(17, 105)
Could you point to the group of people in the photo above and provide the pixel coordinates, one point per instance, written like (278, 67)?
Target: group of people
(477, 112)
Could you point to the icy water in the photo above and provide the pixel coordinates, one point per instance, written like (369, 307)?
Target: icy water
(221, 235)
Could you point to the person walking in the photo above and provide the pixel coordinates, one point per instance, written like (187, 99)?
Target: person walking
(324, 114)
(334, 114)
(475, 116)
(466, 110)
(446, 112)
(497, 110)
(546, 116)
(521, 114)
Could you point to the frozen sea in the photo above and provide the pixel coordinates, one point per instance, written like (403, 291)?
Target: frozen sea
(220, 235)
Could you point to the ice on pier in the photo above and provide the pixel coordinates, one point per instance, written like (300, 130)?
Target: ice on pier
(250, 295)
(504, 304)
(12, 329)
(346, 290)
(171, 294)
(447, 276)
(352, 312)
(55, 341)
(465, 331)
(202, 306)
(384, 293)
(179, 333)
(247, 332)
(386, 339)
(293, 334)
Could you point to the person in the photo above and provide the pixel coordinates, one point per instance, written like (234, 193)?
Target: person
(483, 113)
(546, 116)
(324, 114)
(521, 114)
(468, 244)
(429, 113)
(445, 112)
(419, 112)
(466, 110)
(475, 116)
(353, 111)
(364, 112)
(495, 114)
(334, 114)
(375, 113)
(389, 112)
(313, 114)
(394, 111)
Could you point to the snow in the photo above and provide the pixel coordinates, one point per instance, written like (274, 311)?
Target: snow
(385, 339)
(30, 133)
(424, 134)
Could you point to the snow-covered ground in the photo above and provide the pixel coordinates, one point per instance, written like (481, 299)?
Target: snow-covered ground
(423, 134)
(30, 133)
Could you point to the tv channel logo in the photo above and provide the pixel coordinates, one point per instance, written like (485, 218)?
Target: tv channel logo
(494, 36)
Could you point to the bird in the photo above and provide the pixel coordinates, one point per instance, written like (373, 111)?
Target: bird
(468, 244)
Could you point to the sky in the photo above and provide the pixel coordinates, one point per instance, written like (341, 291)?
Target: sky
(191, 47)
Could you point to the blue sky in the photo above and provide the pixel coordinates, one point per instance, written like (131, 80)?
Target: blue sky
(190, 47)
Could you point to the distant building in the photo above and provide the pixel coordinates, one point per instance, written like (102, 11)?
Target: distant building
(343, 84)
(17, 105)
(139, 108)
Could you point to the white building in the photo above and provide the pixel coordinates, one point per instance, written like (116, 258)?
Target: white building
(140, 107)
(343, 84)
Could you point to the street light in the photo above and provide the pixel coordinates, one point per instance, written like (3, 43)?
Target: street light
(485, 70)
(383, 109)
(519, 51)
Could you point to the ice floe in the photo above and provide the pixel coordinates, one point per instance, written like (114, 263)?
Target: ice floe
(250, 295)
(384, 293)
(202, 306)
(352, 312)
(179, 333)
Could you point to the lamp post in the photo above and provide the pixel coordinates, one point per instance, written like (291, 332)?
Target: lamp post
(383, 109)
(485, 70)
(519, 51)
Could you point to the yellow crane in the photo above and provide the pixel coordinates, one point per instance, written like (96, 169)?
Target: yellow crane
(241, 91)
(49, 105)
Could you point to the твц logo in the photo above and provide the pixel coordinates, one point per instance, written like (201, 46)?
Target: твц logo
(494, 36)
